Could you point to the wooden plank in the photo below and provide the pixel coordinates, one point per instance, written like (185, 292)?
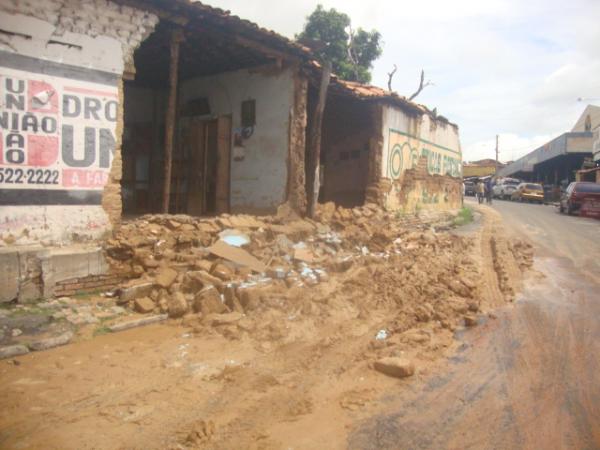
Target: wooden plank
(314, 147)
(176, 39)
(223, 164)
(195, 141)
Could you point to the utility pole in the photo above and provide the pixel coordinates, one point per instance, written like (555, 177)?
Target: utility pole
(496, 154)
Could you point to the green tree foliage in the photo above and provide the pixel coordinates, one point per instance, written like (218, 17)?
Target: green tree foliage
(351, 52)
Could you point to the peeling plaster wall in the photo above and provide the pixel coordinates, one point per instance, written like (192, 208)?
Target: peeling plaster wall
(296, 163)
(56, 49)
(259, 168)
(422, 156)
(420, 190)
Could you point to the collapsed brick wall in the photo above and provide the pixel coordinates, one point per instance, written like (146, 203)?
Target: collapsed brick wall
(86, 285)
(112, 201)
(417, 190)
(296, 191)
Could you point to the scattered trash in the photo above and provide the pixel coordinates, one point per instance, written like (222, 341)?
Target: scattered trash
(234, 238)
(382, 335)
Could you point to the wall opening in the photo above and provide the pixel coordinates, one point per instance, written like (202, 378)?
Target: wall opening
(348, 127)
(204, 134)
(201, 148)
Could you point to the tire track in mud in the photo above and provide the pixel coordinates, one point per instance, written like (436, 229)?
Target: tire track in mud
(527, 380)
(500, 273)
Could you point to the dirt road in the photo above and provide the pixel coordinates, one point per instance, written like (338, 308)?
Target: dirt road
(528, 379)
(305, 380)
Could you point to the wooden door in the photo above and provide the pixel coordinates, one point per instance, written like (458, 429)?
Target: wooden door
(223, 164)
(194, 138)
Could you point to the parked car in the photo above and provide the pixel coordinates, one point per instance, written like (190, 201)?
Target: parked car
(530, 192)
(469, 188)
(505, 188)
(576, 192)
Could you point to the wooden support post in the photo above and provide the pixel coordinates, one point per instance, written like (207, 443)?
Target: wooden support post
(176, 39)
(314, 147)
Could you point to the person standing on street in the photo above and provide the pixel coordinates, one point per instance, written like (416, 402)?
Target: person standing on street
(480, 191)
(488, 191)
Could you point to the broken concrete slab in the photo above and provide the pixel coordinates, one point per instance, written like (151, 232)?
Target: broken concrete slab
(13, 350)
(137, 323)
(45, 344)
(141, 289)
(237, 256)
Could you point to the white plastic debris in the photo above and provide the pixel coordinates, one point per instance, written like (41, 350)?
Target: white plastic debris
(234, 238)
(382, 335)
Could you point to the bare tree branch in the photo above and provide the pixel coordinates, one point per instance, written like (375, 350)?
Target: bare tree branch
(422, 85)
(351, 54)
(390, 76)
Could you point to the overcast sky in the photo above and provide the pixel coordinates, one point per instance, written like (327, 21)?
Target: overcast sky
(508, 67)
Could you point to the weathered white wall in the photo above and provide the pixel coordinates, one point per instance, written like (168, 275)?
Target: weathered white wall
(98, 34)
(68, 47)
(407, 138)
(259, 172)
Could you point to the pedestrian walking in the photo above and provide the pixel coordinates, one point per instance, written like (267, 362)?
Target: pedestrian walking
(480, 191)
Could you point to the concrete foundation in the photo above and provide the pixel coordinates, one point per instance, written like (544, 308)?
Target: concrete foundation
(31, 273)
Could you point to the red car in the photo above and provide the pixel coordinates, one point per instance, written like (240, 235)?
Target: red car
(573, 197)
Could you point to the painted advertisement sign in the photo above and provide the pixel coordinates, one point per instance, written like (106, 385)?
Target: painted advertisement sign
(405, 150)
(57, 136)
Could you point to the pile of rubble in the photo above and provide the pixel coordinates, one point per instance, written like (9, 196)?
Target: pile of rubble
(219, 270)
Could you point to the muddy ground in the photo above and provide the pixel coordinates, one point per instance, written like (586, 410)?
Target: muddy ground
(293, 371)
(525, 380)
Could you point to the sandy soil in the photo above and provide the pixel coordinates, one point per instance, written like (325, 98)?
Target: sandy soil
(527, 378)
(295, 374)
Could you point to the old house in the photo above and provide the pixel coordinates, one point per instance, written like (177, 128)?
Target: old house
(115, 108)
(124, 107)
(380, 147)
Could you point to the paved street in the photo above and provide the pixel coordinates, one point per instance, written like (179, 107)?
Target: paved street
(527, 378)
(558, 235)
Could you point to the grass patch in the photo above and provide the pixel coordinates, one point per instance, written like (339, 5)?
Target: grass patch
(464, 217)
(33, 310)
